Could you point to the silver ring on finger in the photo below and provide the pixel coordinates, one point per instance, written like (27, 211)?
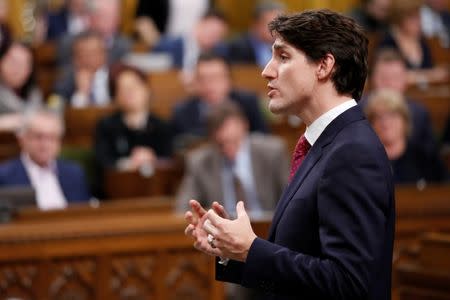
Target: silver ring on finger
(211, 240)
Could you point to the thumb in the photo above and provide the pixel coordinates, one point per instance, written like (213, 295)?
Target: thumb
(240, 209)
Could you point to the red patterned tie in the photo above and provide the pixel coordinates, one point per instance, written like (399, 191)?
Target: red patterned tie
(301, 149)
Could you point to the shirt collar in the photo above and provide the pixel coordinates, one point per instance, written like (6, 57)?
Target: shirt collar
(314, 130)
(31, 165)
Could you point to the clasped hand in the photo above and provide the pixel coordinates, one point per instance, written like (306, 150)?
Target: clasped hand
(228, 238)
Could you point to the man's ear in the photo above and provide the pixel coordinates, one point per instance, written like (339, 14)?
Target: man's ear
(325, 67)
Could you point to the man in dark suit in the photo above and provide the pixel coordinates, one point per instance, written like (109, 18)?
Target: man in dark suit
(213, 82)
(56, 182)
(255, 46)
(333, 229)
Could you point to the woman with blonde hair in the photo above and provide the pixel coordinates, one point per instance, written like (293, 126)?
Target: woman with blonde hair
(388, 113)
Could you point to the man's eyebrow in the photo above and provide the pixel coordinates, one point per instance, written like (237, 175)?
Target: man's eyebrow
(278, 46)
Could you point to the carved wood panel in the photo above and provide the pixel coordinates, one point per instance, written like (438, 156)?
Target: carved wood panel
(133, 277)
(188, 276)
(18, 280)
(72, 279)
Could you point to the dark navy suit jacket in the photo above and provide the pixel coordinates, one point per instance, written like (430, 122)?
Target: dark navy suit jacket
(70, 176)
(332, 233)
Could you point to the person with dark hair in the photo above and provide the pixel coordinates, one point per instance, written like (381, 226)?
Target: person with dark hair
(333, 230)
(18, 91)
(254, 47)
(372, 15)
(213, 82)
(85, 83)
(131, 138)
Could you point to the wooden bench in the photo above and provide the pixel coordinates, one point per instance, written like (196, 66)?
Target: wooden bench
(126, 184)
(428, 276)
(133, 254)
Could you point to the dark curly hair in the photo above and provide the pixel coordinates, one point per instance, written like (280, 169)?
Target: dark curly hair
(320, 32)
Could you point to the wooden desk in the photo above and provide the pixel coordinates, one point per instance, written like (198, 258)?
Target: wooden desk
(428, 276)
(136, 254)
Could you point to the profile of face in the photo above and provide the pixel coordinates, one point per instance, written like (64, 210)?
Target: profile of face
(213, 81)
(292, 78)
(41, 140)
(389, 125)
(411, 25)
(89, 54)
(389, 75)
(230, 136)
(379, 9)
(132, 94)
(16, 66)
(105, 17)
(261, 23)
(210, 31)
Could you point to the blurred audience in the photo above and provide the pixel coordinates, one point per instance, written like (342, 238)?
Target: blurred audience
(207, 34)
(56, 182)
(388, 71)
(104, 18)
(389, 115)
(435, 20)
(4, 12)
(18, 91)
(213, 86)
(255, 46)
(372, 15)
(86, 82)
(71, 19)
(405, 35)
(131, 138)
(172, 18)
(235, 166)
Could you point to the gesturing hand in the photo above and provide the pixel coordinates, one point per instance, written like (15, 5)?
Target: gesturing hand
(232, 238)
(196, 219)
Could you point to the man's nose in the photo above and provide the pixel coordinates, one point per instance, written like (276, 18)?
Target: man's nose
(269, 71)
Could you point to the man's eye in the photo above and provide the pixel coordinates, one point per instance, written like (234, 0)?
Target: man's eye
(283, 57)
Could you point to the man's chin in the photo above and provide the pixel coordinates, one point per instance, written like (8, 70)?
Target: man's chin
(276, 107)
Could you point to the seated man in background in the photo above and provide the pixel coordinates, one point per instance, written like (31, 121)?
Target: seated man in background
(213, 86)
(104, 18)
(235, 165)
(71, 19)
(255, 46)
(56, 182)
(86, 82)
(388, 113)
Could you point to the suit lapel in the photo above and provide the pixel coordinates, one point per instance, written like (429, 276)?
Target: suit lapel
(311, 159)
(351, 115)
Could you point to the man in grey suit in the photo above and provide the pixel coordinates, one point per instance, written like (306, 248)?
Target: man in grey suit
(235, 166)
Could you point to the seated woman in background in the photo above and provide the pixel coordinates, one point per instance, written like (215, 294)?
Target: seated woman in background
(131, 138)
(405, 36)
(17, 89)
(388, 113)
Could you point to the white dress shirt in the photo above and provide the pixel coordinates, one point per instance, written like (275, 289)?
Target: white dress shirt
(99, 94)
(314, 130)
(45, 182)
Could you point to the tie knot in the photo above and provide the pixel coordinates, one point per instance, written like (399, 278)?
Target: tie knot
(301, 149)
